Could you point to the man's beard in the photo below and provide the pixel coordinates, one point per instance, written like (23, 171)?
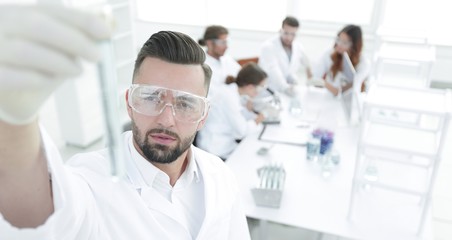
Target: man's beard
(158, 153)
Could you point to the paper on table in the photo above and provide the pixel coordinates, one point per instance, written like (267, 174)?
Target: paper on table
(284, 135)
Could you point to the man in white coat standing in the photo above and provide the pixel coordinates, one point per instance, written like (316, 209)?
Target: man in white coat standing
(172, 189)
(223, 65)
(282, 58)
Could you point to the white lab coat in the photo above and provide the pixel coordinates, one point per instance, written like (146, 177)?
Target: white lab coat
(225, 123)
(222, 68)
(132, 210)
(275, 61)
(76, 215)
(88, 205)
(323, 66)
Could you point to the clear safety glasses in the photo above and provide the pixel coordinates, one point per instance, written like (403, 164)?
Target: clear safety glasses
(222, 42)
(344, 43)
(152, 100)
(288, 34)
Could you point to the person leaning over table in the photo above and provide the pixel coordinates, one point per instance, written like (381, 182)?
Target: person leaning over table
(172, 189)
(329, 66)
(229, 118)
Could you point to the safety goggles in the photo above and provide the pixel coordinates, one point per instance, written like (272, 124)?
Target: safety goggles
(222, 42)
(343, 43)
(152, 100)
(287, 34)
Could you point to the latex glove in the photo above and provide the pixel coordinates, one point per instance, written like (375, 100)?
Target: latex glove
(40, 46)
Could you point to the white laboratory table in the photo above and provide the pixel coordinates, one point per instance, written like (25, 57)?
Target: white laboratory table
(310, 200)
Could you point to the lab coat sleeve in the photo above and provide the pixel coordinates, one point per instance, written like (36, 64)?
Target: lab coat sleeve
(269, 62)
(304, 57)
(236, 119)
(76, 215)
(238, 226)
(362, 71)
(322, 66)
(301, 60)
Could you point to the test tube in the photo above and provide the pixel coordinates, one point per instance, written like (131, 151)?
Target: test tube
(108, 87)
(263, 177)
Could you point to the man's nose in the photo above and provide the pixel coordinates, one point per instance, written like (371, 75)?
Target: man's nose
(167, 117)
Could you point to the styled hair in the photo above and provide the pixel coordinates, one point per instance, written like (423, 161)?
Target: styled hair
(355, 34)
(290, 21)
(212, 32)
(173, 47)
(250, 73)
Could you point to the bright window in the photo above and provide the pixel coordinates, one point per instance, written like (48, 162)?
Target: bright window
(335, 11)
(247, 14)
(238, 14)
(429, 18)
(191, 12)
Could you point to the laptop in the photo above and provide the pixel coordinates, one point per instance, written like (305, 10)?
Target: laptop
(351, 97)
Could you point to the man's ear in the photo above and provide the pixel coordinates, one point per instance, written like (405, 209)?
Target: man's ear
(203, 121)
(209, 43)
(129, 109)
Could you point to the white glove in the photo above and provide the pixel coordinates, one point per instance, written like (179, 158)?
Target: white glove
(40, 46)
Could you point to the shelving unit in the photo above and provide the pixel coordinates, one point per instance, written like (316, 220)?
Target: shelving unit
(403, 58)
(401, 139)
(404, 65)
(78, 102)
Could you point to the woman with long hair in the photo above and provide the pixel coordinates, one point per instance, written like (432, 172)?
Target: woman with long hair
(329, 68)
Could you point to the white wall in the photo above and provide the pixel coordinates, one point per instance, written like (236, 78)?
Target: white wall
(246, 43)
(442, 69)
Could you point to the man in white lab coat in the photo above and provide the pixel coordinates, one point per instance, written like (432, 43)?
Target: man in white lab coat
(223, 65)
(172, 190)
(282, 58)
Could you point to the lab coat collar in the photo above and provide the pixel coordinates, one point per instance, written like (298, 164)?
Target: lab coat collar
(151, 197)
(296, 48)
(210, 59)
(63, 198)
(205, 168)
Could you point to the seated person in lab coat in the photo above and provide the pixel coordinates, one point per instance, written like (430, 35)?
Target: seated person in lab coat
(216, 40)
(228, 120)
(282, 58)
(329, 66)
(172, 190)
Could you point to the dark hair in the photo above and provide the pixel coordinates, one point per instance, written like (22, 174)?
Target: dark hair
(250, 73)
(290, 21)
(212, 32)
(355, 34)
(173, 47)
